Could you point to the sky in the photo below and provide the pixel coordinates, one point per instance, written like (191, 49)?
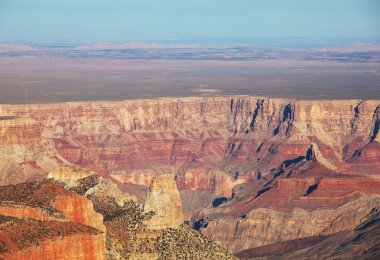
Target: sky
(118, 20)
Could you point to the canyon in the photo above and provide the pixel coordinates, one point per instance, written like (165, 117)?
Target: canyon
(251, 172)
(88, 217)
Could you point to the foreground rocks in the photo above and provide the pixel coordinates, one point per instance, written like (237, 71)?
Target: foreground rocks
(43, 220)
(158, 232)
(55, 219)
(32, 239)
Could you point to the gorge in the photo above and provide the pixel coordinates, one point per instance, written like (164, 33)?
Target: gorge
(253, 173)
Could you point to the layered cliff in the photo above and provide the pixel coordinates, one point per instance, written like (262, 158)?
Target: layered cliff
(195, 136)
(361, 242)
(42, 220)
(263, 226)
(239, 155)
(31, 239)
(24, 153)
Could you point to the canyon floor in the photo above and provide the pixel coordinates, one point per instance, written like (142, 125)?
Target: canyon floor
(191, 178)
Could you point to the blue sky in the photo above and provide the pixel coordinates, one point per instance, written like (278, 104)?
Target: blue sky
(114, 20)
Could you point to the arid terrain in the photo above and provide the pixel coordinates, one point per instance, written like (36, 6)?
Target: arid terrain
(49, 74)
(196, 177)
(190, 130)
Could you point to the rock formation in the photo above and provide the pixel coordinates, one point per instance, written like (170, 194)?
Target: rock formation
(31, 239)
(43, 220)
(165, 202)
(219, 136)
(362, 242)
(241, 156)
(89, 183)
(70, 174)
(265, 226)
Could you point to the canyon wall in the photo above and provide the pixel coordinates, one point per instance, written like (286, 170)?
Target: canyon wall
(263, 226)
(237, 161)
(212, 143)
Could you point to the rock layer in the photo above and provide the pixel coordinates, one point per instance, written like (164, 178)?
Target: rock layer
(30, 239)
(44, 221)
(264, 226)
(196, 136)
(241, 154)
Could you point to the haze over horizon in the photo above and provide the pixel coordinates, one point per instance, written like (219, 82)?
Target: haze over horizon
(169, 20)
(54, 51)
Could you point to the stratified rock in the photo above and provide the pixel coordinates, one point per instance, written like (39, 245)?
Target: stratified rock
(51, 200)
(198, 136)
(164, 200)
(362, 242)
(31, 239)
(24, 154)
(45, 221)
(265, 226)
(252, 153)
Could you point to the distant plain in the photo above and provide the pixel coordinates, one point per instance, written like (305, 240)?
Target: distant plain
(61, 75)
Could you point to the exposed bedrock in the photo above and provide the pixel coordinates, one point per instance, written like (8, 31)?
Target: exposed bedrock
(214, 145)
(42, 220)
(165, 202)
(263, 226)
(131, 140)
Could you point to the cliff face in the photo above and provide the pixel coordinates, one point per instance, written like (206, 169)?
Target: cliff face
(241, 155)
(360, 242)
(44, 221)
(164, 200)
(30, 239)
(24, 153)
(195, 135)
(48, 196)
(263, 226)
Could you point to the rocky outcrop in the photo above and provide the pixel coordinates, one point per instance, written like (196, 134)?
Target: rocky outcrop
(51, 199)
(89, 183)
(165, 202)
(128, 237)
(31, 239)
(70, 174)
(44, 221)
(265, 226)
(358, 243)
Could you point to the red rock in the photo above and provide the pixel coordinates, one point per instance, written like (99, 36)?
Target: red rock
(30, 239)
(46, 201)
